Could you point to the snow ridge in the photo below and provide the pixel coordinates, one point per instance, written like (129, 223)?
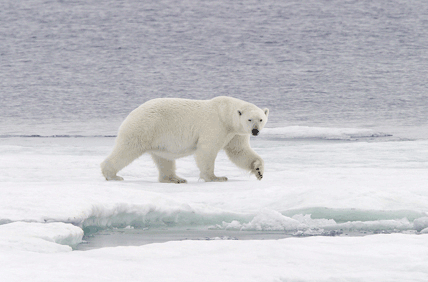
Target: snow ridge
(306, 132)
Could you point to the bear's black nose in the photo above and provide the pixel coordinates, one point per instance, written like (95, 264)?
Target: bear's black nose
(255, 132)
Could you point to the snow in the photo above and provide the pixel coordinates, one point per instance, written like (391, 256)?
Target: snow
(395, 257)
(38, 237)
(52, 190)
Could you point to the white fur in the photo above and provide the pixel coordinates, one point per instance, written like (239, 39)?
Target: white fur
(172, 128)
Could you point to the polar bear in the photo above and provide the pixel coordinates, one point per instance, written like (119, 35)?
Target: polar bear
(172, 128)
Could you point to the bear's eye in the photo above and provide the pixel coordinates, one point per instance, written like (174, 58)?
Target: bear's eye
(261, 120)
(250, 120)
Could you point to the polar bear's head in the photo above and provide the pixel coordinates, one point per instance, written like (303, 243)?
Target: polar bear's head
(252, 119)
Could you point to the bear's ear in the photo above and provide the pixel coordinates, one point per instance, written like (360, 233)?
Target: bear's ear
(266, 110)
(239, 112)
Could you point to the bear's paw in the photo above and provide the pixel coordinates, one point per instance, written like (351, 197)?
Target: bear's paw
(114, 178)
(173, 179)
(257, 168)
(215, 179)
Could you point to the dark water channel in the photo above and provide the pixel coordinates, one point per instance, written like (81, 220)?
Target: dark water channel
(138, 237)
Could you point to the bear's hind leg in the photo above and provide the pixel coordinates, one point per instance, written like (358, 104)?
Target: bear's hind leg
(117, 160)
(167, 170)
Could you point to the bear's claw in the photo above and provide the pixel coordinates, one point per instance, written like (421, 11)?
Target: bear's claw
(259, 175)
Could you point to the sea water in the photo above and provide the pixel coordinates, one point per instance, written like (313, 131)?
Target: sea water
(79, 67)
(345, 82)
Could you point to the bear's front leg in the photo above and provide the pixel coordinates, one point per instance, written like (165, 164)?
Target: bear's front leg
(257, 168)
(240, 153)
(205, 160)
(167, 170)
